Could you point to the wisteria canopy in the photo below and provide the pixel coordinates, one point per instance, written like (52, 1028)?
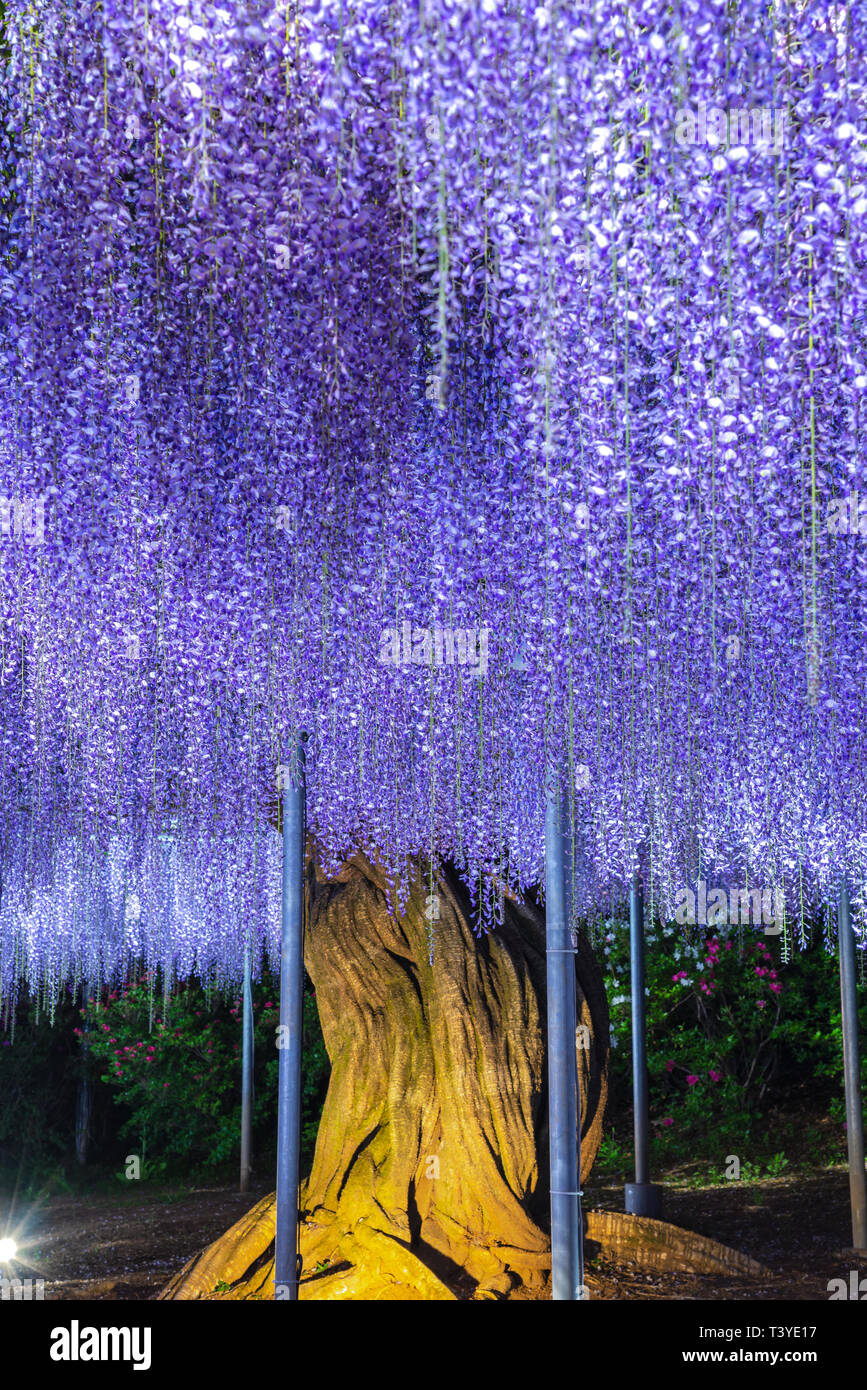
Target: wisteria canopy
(477, 387)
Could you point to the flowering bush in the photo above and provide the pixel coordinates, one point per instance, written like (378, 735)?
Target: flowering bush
(729, 1027)
(177, 1069)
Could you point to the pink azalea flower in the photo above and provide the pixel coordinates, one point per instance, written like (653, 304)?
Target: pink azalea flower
(691, 1080)
(667, 1121)
(760, 1003)
(669, 1066)
(776, 988)
(715, 1075)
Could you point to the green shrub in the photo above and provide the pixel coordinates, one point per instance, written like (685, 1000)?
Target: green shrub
(730, 1028)
(175, 1066)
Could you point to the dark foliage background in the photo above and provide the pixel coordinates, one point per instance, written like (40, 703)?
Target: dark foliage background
(745, 1052)
(165, 1081)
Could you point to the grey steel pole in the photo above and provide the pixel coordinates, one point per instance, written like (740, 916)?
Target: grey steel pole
(247, 1075)
(637, 972)
(286, 1265)
(562, 1062)
(852, 1074)
(642, 1197)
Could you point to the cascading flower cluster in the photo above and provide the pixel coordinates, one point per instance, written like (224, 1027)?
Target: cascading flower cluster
(478, 387)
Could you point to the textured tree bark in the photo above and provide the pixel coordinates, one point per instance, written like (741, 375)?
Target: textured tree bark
(82, 1118)
(83, 1104)
(430, 1176)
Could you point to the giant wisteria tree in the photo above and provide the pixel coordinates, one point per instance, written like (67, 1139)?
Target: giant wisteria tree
(479, 388)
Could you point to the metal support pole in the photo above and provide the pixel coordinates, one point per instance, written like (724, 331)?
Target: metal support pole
(247, 1075)
(562, 1063)
(643, 1198)
(286, 1261)
(852, 1074)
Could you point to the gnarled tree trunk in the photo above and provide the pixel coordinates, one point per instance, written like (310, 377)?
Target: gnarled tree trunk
(430, 1176)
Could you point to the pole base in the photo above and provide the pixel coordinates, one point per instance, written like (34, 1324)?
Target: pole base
(643, 1199)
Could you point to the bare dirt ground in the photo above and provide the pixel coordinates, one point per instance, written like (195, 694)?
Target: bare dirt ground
(124, 1245)
(797, 1226)
(121, 1245)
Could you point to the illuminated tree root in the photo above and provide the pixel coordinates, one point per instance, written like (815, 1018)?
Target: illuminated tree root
(430, 1177)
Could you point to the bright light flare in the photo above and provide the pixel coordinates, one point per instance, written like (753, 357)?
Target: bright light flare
(8, 1249)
